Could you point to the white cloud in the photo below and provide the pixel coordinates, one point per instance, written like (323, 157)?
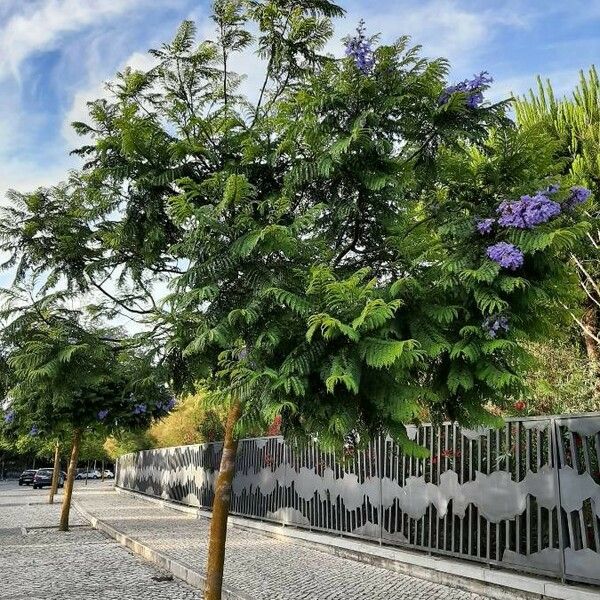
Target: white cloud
(26, 175)
(444, 28)
(42, 24)
(563, 82)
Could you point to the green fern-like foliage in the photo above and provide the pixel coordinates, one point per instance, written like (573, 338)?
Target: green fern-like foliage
(64, 374)
(318, 239)
(572, 126)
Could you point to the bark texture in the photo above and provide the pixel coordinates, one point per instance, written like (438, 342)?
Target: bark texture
(220, 512)
(66, 505)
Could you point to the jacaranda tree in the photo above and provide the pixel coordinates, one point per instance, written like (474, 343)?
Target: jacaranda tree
(67, 375)
(354, 244)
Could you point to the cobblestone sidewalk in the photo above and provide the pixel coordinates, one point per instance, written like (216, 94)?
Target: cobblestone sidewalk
(37, 562)
(262, 567)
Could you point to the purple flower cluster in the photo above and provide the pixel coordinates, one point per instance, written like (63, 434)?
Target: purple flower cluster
(139, 409)
(495, 325)
(506, 255)
(9, 417)
(360, 49)
(473, 88)
(579, 194)
(166, 406)
(102, 414)
(33, 431)
(528, 211)
(484, 226)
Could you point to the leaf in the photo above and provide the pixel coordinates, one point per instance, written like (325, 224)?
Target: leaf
(459, 377)
(380, 353)
(343, 371)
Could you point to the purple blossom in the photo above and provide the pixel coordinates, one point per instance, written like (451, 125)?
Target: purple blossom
(579, 194)
(166, 406)
(527, 212)
(484, 226)
(9, 417)
(139, 409)
(102, 414)
(360, 49)
(539, 209)
(473, 88)
(33, 431)
(506, 255)
(552, 189)
(495, 324)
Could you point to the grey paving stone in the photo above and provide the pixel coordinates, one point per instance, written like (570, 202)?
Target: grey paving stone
(263, 567)
(42, 563)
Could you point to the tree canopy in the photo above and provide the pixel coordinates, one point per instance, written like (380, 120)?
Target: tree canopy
(66, 374)
(354, 243)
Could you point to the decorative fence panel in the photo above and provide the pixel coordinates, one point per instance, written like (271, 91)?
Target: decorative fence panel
(526, 496)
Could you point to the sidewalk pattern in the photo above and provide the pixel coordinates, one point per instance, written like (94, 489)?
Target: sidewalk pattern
(260, 566)
(37, 562)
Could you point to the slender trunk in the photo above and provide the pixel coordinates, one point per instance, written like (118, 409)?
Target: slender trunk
(87, 471)
(102, 478)
(220, 512)
(66, 505)
(55, 474)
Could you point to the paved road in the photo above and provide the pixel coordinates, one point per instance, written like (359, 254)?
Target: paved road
(263, 567)
(37, 562)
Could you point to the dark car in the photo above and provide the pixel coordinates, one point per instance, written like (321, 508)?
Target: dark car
(44, 477)
(27, 476)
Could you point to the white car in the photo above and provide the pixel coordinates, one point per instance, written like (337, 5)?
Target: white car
(108, 474)
(89, 475)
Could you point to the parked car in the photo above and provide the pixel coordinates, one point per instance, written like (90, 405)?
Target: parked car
(44, 477)
(108, 474)
(27, 476)
(90, 475)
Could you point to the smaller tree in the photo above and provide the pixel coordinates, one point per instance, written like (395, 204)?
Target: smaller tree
(192, 422)
(127, 441)
(69, 373)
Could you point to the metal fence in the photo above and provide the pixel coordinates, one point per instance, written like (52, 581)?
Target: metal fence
(526, 496)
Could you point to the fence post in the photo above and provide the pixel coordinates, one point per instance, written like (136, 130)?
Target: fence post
(380, 470)
(555, 440)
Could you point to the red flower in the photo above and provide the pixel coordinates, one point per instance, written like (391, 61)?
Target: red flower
(519, 405)
(275, 428)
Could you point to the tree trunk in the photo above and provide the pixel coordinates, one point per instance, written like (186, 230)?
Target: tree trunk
(102, 477)
(220, 512)
(55, 474)
(66, 505)
(87, 471)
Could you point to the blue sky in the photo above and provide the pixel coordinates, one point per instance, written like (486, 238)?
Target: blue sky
(55, 55)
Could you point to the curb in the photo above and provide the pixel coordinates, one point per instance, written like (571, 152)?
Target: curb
(179, 569)
(468, 576)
